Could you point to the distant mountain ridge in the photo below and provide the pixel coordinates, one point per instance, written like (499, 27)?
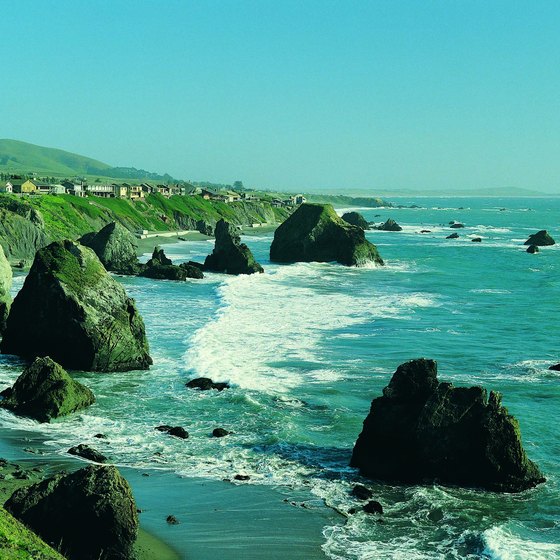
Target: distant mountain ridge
(22, 157)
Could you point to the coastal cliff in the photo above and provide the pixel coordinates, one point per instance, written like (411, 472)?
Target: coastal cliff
(30, 223)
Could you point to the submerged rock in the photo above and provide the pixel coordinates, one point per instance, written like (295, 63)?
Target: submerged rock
(5, 287)
(532, 249)
(176, 431)
(454, 235)
(424, 430)
(389, 225)
(476, 240)
(373, 506)
(541, 239)
(229, 254)
(220, 432)
(116, 248)
(45, 391)
(361, 492)
(355, 219)
(205, 384)
(72, 310)
(314, 232)
(89, 514)
(87, 452)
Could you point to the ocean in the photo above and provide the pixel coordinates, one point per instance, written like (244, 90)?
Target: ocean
(306, 347)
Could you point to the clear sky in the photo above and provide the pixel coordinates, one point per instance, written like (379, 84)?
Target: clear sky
(354, 94)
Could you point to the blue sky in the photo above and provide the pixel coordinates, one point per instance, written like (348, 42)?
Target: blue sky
(315, 94)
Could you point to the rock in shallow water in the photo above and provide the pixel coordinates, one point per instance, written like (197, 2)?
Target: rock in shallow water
(87, 452)
(45, 391)
(540, 239)
(314, 232)
(205, 384)
(71, 309)
(90, 514)
(424, 430)
(389, 225)
(229, 254)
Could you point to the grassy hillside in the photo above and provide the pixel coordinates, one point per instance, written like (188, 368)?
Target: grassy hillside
(21, 157)
(30, 222)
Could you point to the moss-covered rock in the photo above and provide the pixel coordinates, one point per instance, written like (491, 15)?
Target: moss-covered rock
(5, 287)
(423, 430)
(71, 309)
(116, 248)
(229, 254)
(355, 219)
(17, 542)
(45, 391)
(540, 239)
(89, 514)
(314, 232)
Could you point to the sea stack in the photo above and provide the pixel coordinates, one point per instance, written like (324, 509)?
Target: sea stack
(229, 254)
(72, 310)
(540, 239)
(89, 514)
(389, 225)
(5, 287)
(355, 219)
(423, 431)
(116, 248)
(45, 391)
(160, 267)
(314, 232)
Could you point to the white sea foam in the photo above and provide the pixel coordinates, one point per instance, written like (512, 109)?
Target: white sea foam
(502, 544)
(259, 341)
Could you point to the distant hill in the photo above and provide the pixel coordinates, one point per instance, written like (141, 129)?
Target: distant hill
(21, 157)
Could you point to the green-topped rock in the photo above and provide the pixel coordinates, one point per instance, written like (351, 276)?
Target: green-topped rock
(45, 391)
(314, 232)
(5, 287)
(229, 254)
(423, 431)
(540, 239)
(116, 248)
(88, 515)
(355, 219)
(72, 310)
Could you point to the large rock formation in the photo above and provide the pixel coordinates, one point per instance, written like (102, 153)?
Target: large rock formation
(314, 232)
(71, 309)
(540, 239)
(45, 391)
(424, 430)
(116, 248)
(5, 287)
(159, 267)
(355, 219)
(389, 225)
(88, 515)
(229, 254)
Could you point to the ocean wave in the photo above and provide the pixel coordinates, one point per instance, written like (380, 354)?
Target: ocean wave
(503, 544)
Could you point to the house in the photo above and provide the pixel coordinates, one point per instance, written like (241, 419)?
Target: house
(27, 187)
(148, 189)
(136, 192)
(298, 199)
(57, 189)
(121, 191)
(232, 196)
(193, 191)
(12, 186)
(103, 191)
(73, 188)
(164, 190)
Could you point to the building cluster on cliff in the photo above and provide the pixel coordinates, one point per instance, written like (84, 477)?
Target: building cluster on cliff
(32, 187)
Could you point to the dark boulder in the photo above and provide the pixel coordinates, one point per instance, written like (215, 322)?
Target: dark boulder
(176, 431)
(314, 232)
(555, 367)
(86, 452)
(89, 514)
(164, 272)
(541, 239)
(220, 432)
(205, 384)
(532, 249)
(476, 240)
(373, 507)
(241, 477)
(45, 391)
(229, 254)
(356, 219)
(5, 287)
(172, 520)
(361, 492)
(454, 235)
(72, 310)
(192, 270)
(456, 225)
(116, 248)
(423, 430)
(389, 225)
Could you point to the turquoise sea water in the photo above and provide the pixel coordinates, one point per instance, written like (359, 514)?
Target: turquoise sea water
(306, 348)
